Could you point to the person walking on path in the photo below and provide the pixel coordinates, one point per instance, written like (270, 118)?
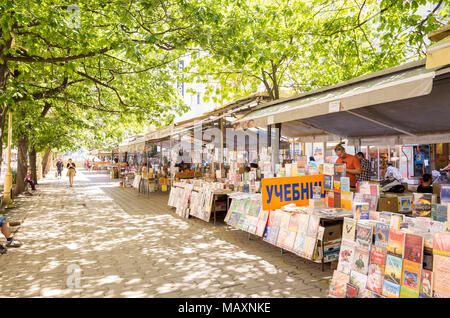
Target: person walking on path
(60, 167)
(71, 172)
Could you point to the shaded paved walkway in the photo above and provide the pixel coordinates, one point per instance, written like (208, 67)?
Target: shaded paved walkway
(98, 240)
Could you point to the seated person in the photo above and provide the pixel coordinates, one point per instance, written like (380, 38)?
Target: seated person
(29, 180)
(6, 230)
(425, 186)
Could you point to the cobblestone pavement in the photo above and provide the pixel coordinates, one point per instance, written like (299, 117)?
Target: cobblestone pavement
(99, 240)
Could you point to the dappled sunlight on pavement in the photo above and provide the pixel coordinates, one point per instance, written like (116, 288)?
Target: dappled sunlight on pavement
(132, 245)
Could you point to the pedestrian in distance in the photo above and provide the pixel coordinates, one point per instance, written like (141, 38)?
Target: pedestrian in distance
(71, 171)
(59, 167)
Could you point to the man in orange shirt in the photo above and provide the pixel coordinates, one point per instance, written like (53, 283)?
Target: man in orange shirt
(352, 165)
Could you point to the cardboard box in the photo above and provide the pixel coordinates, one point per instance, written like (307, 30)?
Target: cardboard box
(388, 204)
(332, 233)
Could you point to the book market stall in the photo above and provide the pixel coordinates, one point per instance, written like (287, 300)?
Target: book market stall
(131, 157)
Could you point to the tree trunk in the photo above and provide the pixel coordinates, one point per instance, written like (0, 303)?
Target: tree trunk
(3, 115)
(33, 166)
(45, 163)
(22, 151)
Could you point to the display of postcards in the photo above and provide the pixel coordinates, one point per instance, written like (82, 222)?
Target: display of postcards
(441, 244)
(361, 261)
(440, 212)
(364, 235)
(337, 199)
(375, 281)
(445, 193)
(391, 290)
(339, 171)
(346, 255)
(413, 248)
(406, 292)
(313, 226)
(328, 169)
(422, 204)
(393, 269)
(396, 242)
(336, 186)
(358, 279)
(330, 199)
(426, 283)
(385, 217)
(405, 203)
(328, 183)
(338, 286)
(309, 247)
(262, 221)
(364, 293)
(378, 255)
(411, 275)
(349, 229)
(345, 184)
(352, 291)
(381, 234)
(361, 211)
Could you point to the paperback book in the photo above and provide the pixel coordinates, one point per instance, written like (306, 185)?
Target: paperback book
(422, 204)
(361, 260)
(361, 211)
(396, 242)
(375, 281)
(358, 279)
(345, 184)
(441, 276)
(364, 235)
(349, 229)
(352, 291)
(346, 255)
(411, 275)
(406, 292)
(413, 248)
(391, 290)
(328, 183)
(339, 171)
(381, 234)
(441, 244)
(393, 272)
(426, 284)
(338, 286)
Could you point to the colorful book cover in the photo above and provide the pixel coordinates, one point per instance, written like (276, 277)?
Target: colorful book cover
(262, 222)
(375, 282)
(406, 292)
(338, 285)
(413, 248)
(441, 275)
(349, 229)
(337, 199)
(336, 186)
(372, 200)
(396, 242)
(441, 244)
(345, 184)
(358, 279)
(299, 242)
(346, 200)
(411, 275)
(330, 199)
(328, 183)
(361, 211)
(339, 171)
(361, 260)
(346, 255)
(385, 217)
(352, 291)
(381, 234)
(426, 283)
(364, 235)
(328, 169)
(405, 203)
(390, 289)
(393, 271)
(378, 255)
(445, 193)
(422, 204)
(293, 222)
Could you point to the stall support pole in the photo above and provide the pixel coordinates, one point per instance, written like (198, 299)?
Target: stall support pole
(221, 143)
